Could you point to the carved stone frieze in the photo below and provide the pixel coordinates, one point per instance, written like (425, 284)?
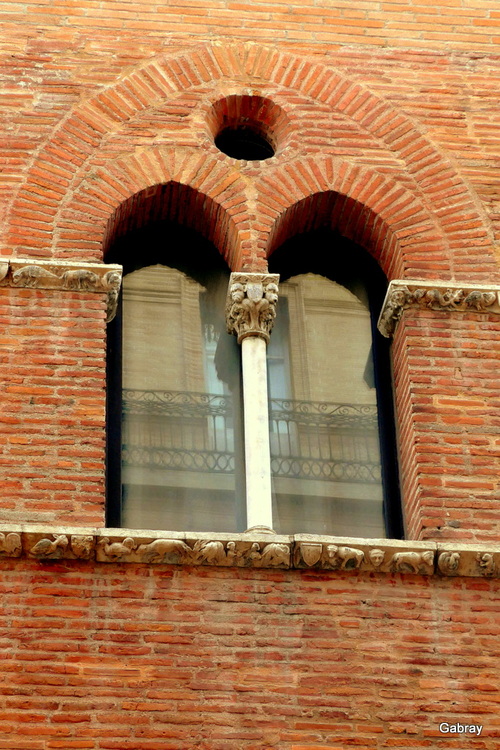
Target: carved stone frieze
(66, 275)
(448, 563)
(344, 558)
(83, 547)
(46, 543)
(168, 551)
(118, 551)
(251, 550)
(255, 549)
(272, 555)
(377, 555)
(10, 545)
(487, 564)
(214, 552)
(435, 295)
(49, 549)
(203, 549)
(413, 562)
(251, 304)
(468, 560)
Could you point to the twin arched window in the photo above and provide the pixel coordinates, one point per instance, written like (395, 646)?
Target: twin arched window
(176, 449)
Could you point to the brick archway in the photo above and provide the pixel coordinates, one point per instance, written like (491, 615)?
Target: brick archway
(42, 229)
(210, 196)
(201, 194)
(372, 209)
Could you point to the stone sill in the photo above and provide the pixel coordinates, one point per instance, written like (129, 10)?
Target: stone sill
(252, 549)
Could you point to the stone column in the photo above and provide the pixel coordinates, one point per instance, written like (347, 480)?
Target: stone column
(250, 313)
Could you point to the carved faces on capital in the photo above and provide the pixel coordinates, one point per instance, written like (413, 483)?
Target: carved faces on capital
(251, 305)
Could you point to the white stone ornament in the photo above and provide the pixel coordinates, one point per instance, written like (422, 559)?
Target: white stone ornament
(100, 278)
(435, 295)
(251, 304)
(254, 549)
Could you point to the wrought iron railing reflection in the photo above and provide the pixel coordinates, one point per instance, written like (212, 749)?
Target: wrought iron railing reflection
(325, 441)
(177, 430)
(194, 432)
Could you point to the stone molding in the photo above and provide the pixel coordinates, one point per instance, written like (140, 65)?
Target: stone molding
(435, 295)
(254, 549)
(251, 304)
(102, 278)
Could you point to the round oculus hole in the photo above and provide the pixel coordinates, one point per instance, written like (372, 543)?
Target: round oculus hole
(244, 142)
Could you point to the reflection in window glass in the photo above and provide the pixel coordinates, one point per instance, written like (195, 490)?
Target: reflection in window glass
(324, 430)
(180, 427)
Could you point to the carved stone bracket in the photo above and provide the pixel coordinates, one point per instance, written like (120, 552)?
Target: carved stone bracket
(435, 295)
(65, 275)
(251, 304)
(249, 550)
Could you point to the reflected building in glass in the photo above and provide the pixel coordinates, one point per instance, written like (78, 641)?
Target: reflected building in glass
(178, 415)
(323, 405)
(182, 442)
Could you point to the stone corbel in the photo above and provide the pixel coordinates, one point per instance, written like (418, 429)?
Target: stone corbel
(435, 295)
(72, 276)
(251, 304)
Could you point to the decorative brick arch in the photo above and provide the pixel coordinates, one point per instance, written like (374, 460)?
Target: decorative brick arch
(36, 223)
(372, 209)
(200, 193)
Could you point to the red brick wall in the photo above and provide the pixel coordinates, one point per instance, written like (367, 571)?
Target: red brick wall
(446, 392)
(170, 658)
(392, 132)
(52, 420)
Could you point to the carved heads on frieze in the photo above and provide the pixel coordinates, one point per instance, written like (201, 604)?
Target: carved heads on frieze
(251, 551)
(348, 557)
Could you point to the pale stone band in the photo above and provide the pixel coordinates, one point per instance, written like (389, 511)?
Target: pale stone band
(102, 278)
(445, 296)
(250, 313)
(252, 549)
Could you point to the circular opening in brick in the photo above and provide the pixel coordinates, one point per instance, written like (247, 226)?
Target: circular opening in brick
(248, 127)
(243, 142)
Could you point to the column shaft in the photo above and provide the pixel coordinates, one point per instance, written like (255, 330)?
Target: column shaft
(257, 446)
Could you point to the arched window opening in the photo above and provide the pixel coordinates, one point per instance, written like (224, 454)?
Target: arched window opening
(333, 455)
(174, 427)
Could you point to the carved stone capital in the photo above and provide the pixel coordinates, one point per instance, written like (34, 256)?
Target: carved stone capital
(435, 295)
(251, 304)
(72, 276)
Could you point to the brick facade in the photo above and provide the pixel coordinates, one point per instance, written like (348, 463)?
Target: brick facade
(384, 117)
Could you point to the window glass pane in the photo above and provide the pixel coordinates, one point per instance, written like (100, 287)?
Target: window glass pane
(180, 426)
(324, 430)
